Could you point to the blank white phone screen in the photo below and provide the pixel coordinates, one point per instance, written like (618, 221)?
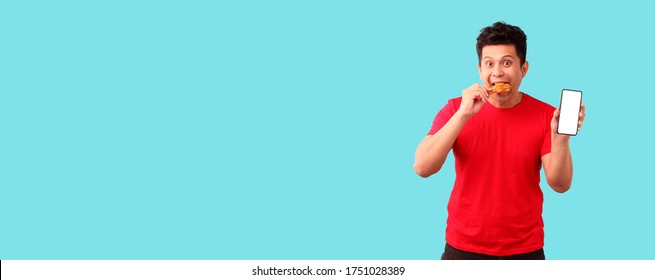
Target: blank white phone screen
(569, 112)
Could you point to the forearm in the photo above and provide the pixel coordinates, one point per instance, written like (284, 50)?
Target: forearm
(433, 150)
(560, 167)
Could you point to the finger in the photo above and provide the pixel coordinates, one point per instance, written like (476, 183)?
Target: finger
(470, 92)
(582, 111)
(480, 96)
(581, 115)
(486, 94)
(483, 94)
(478, 93)
(485, 91)
(581, 118)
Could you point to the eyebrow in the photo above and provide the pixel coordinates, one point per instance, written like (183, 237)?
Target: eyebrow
(504, 56)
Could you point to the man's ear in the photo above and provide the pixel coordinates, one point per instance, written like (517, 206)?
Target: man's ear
(479, 68)
(524, 68)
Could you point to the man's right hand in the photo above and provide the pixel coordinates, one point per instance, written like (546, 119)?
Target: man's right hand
(473, 98)
(433, 150)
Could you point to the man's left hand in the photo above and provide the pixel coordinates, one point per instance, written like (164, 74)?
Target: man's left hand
(562, 138)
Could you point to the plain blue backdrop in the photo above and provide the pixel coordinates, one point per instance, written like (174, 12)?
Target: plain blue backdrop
(287, 129)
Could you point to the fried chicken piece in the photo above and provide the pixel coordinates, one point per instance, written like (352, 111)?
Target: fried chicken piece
(501, 88)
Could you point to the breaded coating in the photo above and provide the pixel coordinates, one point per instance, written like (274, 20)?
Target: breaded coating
(501, 88)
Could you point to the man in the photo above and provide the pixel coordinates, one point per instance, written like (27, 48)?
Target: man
(500, 140)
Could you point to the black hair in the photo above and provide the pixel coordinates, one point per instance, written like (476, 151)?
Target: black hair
(501, 33)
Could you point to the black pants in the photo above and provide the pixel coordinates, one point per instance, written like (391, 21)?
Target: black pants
(450, 253)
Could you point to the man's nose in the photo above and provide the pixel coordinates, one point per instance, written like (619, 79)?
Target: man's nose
(497, 71)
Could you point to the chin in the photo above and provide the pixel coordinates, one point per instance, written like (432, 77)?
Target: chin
(503, 97)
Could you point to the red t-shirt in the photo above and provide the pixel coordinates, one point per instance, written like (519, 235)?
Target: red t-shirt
(495, 206)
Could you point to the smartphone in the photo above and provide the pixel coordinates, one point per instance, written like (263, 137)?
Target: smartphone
(569, 112)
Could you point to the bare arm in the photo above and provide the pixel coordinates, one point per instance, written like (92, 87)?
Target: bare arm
(433, 150)
(558, 167)
(558, 164)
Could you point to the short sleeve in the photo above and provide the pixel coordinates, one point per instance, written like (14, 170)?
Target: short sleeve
(445, 114)
(546, 145)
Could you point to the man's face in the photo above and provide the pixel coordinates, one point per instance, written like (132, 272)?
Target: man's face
(500, 63)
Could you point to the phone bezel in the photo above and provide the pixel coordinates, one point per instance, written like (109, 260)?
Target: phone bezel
(560, 107)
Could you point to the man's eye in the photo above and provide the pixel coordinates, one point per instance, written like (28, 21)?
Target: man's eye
(507, 63)
(489, 64)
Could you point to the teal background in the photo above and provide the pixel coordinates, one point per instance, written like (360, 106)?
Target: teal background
(287, 129)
